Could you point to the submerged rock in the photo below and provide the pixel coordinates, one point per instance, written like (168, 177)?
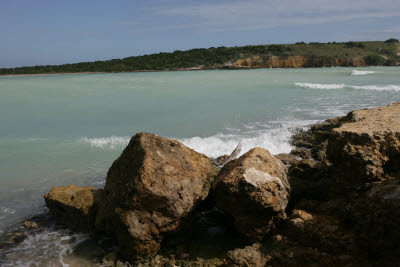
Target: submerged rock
(254, 191)
(150, 190)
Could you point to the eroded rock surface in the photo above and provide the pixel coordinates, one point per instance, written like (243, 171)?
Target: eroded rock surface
(150, 190)
(355, 172)
(74, 206)
(254, 191)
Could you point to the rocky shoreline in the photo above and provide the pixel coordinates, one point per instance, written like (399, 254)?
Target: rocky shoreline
(333, 201)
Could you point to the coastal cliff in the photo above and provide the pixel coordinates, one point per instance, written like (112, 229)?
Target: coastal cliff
(298, 55)
(298, 62)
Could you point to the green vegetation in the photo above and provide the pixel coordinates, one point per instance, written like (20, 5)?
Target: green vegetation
(375, 53)
(392, 40)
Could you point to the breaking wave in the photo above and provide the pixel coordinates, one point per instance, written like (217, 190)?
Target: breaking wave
(274, 136)
(343, 86)
(111, 142)
(361, 72)
(378, 88)
(276, 140)
(320, 86)
(5, 212)
(46, 248)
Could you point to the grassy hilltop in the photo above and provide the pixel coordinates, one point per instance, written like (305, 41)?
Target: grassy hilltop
(375, 53)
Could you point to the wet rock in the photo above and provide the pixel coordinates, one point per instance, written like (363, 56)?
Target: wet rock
(254, 191)
(74, 206)
(31, 224)
(89, 250)
(151, 189)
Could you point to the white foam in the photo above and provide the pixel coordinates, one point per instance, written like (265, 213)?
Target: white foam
(276, 139)
(111, 142)
(361, 72)
(47, 248)
(5, 212)
(273, 135)
(320, 86)
(342, 86)
(378, 88)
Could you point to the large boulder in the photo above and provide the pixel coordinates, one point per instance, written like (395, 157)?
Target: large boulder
(74, 206)
(254, 191)
(367, 147)
(364, 145)
(150, 190)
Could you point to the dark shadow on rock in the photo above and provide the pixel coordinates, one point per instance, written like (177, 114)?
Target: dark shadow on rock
(208, 234)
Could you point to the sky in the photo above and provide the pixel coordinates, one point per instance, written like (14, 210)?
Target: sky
(48, 32)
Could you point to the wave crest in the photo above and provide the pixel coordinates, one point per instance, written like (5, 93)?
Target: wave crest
(343, 86)
(111, 142)
(378, 88)
(361, 72)
(320, 86)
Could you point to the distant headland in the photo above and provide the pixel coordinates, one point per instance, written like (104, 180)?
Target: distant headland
(298, 55)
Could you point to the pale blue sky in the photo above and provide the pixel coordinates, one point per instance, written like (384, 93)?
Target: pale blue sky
(45, 32)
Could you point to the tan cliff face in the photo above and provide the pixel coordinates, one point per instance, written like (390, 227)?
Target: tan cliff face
(297, 62)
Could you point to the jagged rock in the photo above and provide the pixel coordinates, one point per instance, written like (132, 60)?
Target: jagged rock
(295, 154)
(367, 147)
(308, 179)
(150, 190)
(301, 153)
(74, 206)
(286, 159)
(248, 256)
(374, 212)
(364, 145)
(254, 191)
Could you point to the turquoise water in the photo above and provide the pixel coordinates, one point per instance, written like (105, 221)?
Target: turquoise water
(63, 129)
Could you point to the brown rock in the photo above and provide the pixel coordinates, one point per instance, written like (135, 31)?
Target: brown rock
(367, 147)
(73, 206)
(308, 179)
(150, 190)
(286, 159)
(254, 191)
(31, 224)
(301, 153)
(248, 256)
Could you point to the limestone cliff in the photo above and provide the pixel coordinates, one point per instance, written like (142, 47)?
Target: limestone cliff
(297, 62)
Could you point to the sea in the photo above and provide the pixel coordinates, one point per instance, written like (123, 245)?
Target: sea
(68, 129)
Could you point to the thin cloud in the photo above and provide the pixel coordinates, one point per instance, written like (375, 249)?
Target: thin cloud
(257, 14)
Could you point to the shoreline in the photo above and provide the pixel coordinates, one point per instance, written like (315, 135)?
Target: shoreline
(186, 69)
